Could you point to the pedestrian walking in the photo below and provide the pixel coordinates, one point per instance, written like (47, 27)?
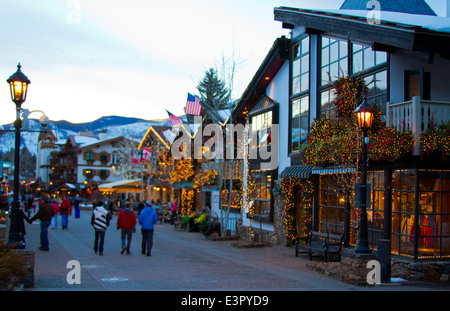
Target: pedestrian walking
(126, 222)
(147, 219)
(76, 205)
(45, 215)
(55, 217)
(100, 221)
(174, 210)
(65, 209)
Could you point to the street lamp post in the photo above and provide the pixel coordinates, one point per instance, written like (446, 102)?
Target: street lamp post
(19, 87)
(364, 114)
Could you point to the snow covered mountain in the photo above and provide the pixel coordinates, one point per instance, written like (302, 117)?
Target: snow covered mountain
(114, 126)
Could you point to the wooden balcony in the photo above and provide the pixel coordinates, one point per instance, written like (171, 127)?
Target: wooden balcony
(417, 115)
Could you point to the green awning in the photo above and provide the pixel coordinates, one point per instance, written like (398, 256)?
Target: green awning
(300, 171)
(182, 185)
(334, 169)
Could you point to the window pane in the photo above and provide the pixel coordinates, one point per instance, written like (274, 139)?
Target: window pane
(296, 67)
(296, 85)
(334, 71)
(380, 57)
(305, 45)
(343, 49)
(325, 56)
(305, 64)
(357, 62)
(343, 64)
(334, 52)
(325, 77)
(304, 83)
(369, 58)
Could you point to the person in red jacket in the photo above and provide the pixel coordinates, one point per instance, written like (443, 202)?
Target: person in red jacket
(127, 223)
(65, 209)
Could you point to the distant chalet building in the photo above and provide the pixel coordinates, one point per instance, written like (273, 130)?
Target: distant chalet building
(82, 161)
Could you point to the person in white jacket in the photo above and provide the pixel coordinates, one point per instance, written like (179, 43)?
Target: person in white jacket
(100, 221)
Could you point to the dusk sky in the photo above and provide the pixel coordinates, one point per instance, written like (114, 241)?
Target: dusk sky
(134, 58)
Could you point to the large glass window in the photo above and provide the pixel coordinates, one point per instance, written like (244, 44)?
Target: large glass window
(261, 129)
(300, 66)
(334, 62)
(299, 122)
(299, 113)
(364, 58)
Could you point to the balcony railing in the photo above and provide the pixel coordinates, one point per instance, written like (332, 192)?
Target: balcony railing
(417, 115)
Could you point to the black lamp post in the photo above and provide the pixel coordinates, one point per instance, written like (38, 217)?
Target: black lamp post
(364, 114)
(19, 86)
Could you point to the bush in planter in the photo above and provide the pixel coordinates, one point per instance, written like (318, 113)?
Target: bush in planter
(12, 267)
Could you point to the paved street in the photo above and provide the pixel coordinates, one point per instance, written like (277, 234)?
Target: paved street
(180, 261)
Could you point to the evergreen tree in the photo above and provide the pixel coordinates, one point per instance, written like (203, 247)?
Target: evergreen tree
(213, 92)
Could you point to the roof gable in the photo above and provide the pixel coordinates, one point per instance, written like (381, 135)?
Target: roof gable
(411, 6)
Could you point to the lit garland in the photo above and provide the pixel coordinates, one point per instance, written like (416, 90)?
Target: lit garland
(306, 189)
(202, 178)
(184, 170)
(187, 200)
(335, 143)
(436, 139)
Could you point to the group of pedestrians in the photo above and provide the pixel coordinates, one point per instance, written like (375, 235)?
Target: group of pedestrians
(100, 220)
(126, 222)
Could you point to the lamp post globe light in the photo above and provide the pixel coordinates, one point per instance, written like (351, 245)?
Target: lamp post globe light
(364, 114)
(18, 83)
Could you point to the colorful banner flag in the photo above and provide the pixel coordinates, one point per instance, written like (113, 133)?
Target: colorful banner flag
(135, 157)
(174, 120)
(146, 154)
(193, 105)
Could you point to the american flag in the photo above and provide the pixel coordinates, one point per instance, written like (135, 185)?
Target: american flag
(193, 105)
(174, 120)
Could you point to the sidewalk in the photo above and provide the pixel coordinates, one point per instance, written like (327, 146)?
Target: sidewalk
(180, 261)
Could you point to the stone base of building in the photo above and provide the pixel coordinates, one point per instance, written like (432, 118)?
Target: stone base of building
(353, 269)
(256, 235)
(429, 271)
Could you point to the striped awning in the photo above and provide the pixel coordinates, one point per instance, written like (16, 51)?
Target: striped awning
(300, 171)
(317, 170)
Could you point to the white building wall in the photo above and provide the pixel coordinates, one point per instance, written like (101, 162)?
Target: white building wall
(439, 77)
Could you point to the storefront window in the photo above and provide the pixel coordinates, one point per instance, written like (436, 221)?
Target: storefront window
(434, 214)
(331, 205)
(261, 193)
(375, 211)
(403, 212)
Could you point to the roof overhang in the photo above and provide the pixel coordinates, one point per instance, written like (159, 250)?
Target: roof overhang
(125, 183)
(390, 35)
(278, 54)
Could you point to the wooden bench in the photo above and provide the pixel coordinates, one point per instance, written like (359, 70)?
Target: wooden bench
(323, 243)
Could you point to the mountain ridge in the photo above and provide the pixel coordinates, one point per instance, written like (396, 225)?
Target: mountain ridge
(133, 128)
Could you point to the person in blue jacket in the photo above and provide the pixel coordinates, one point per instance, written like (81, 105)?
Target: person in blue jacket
(147, 219)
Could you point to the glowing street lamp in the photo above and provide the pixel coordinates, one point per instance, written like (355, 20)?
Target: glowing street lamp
(18, 83)
(364, 114)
